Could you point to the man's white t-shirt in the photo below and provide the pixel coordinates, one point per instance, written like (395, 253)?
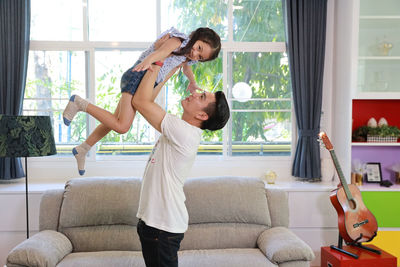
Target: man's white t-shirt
(162, 200)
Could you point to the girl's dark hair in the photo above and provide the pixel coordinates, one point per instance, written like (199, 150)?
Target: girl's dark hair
(206, 35)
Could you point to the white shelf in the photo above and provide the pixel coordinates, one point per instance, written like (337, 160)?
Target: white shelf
(374, 144)
(379, 17)
(377, 187)
(377, 95)
(379, 58)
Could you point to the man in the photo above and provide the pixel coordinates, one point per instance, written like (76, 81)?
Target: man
(162, 213)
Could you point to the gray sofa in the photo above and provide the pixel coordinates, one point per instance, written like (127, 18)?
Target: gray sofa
(233, 221)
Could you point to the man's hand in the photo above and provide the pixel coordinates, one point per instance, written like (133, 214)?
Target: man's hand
(193, 87)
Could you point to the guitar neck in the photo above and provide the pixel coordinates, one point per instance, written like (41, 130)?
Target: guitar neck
(341, 176)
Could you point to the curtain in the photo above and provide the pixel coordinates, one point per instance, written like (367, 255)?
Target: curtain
(14, 50)
(305, 22)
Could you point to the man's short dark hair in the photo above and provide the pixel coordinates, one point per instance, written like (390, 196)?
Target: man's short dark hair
(218, 113)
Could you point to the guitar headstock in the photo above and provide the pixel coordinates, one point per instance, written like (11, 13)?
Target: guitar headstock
(325, 140)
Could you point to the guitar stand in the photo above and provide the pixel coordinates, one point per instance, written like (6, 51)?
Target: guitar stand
(356, 244)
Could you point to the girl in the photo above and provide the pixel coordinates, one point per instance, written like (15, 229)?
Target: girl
(177, 49)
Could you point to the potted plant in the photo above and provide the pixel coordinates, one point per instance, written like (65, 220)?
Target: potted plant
(382, 133)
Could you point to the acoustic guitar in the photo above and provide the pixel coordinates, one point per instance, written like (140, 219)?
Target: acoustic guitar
(356, 223)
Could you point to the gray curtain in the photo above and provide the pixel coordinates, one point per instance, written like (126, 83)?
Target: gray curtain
(14, 49)
(305, 22)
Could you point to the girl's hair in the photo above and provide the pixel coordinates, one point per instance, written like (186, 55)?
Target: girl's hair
(206, 35)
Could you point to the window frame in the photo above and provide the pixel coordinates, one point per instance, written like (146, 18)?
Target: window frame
(228, 46)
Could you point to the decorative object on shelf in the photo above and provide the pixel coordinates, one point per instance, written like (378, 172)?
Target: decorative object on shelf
(382, 134)
(327, 170)
(386, 183)
(270, 177)
(385, 47)
(26, 136)
(382, 122)
(396, 169)
(358, 169)
(372, 123)
(374, 172)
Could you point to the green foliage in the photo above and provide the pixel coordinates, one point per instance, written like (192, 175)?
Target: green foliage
(264, 72)
(361, 133)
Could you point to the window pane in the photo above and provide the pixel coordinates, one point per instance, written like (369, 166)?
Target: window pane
(110, 65)
(261, 134)
(52, 77)
(124, 20)
(187, 16)
(260, 103)
(56, 20)
(258, 21)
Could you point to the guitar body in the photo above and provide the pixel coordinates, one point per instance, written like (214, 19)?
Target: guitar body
(356, 223)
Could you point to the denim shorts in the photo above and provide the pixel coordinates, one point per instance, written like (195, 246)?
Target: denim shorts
(130, 80)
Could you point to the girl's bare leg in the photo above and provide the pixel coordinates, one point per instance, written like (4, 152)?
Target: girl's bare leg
(100, 131)
(120, 124)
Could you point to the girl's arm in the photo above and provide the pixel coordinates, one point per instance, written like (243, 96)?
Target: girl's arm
(160, 54)
(187, 70)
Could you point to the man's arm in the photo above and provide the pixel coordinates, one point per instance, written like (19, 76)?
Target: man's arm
(161, 84)
(143, 100)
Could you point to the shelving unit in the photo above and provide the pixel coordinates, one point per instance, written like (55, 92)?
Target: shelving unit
(377, 94)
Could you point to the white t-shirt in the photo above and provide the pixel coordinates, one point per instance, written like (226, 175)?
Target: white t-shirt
(162, 200)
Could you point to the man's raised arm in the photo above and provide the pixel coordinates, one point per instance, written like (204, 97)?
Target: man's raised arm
(143, 100)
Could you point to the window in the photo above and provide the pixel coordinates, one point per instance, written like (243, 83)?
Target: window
(84, 47)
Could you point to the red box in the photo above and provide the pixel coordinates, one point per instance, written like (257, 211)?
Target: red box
(334, 258)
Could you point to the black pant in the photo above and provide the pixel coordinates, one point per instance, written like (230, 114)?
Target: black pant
(159, 248)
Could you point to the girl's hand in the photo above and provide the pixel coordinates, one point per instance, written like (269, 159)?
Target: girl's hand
(144, 65)
(193, 87)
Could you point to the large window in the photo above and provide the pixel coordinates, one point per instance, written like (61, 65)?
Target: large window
(84, 47)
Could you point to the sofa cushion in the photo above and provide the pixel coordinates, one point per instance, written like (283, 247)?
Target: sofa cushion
(100, 213)
(227, 200)
(104, 259)
(119, 199)
(221, 236)
(103, 237)
(187, 258)
(223, 258)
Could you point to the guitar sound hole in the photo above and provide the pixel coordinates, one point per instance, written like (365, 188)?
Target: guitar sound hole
(352, 204)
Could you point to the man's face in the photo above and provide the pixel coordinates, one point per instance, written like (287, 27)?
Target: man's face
(197, 102)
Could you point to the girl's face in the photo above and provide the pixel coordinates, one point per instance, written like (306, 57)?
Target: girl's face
(200, 51)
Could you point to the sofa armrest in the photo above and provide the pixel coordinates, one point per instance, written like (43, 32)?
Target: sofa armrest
(279, 244)
(45, 248)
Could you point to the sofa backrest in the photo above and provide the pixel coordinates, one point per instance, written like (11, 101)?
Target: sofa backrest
(100, 213)
(225, 212)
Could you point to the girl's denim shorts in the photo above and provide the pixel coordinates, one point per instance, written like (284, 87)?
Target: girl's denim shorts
(131, 79)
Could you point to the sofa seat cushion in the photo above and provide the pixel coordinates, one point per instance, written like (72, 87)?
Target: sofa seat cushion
(235, 257)
(104, 259)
